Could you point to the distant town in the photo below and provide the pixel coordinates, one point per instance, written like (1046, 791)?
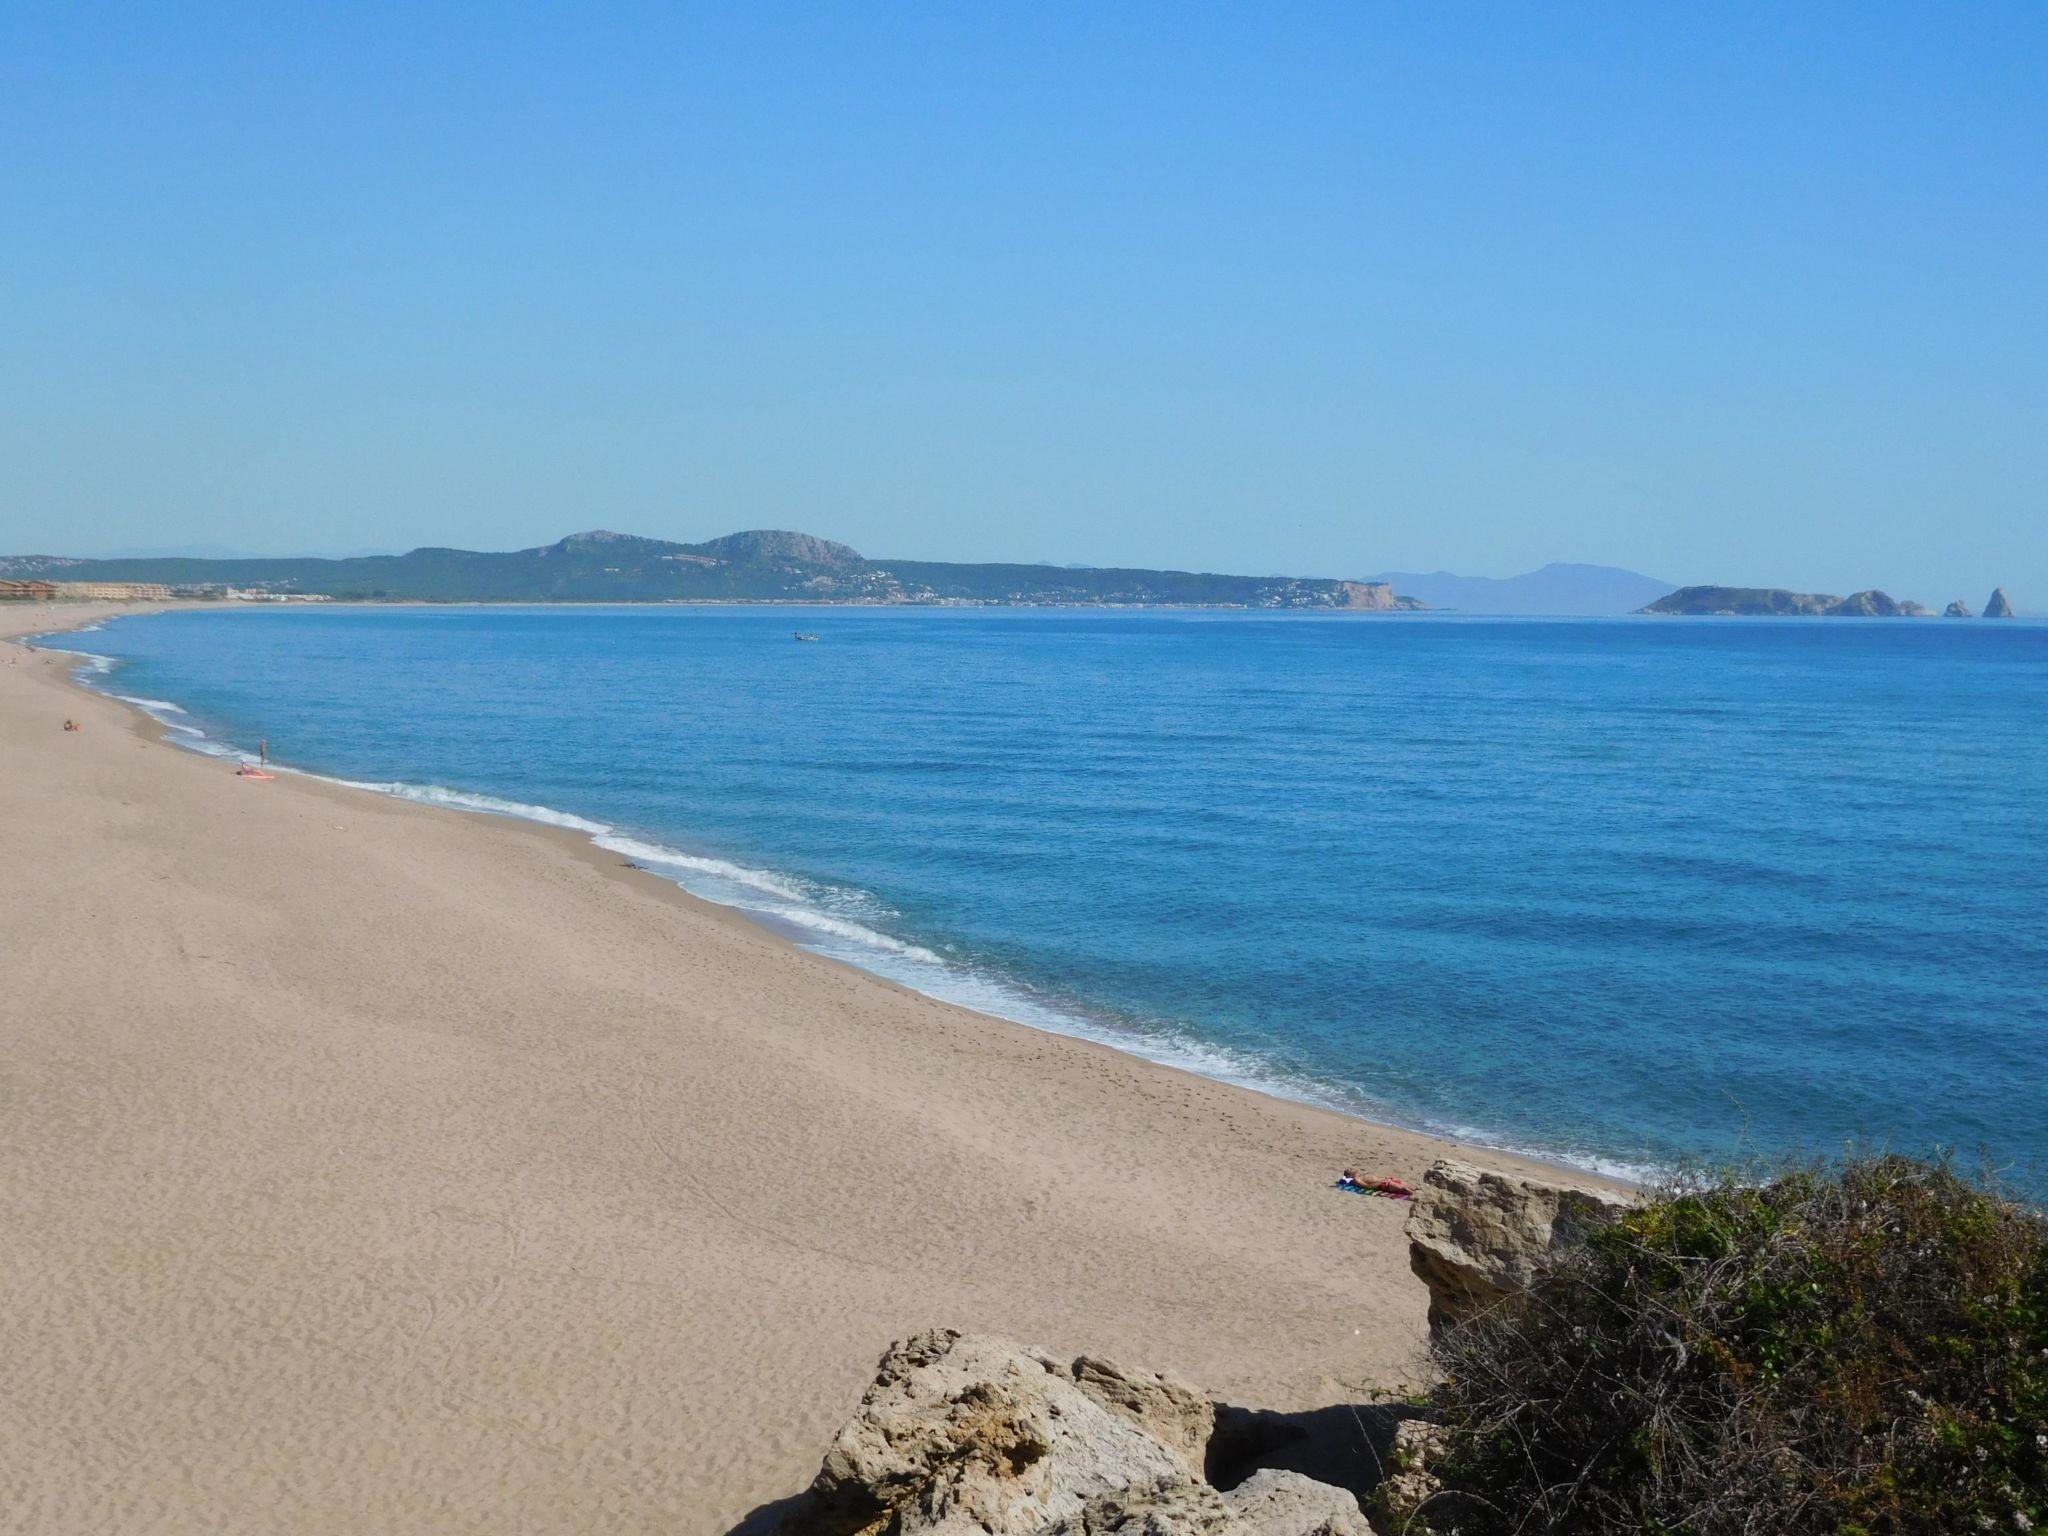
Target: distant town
(142, 592)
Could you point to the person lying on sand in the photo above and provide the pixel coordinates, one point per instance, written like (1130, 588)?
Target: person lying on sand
(70, 725)
(1393, 1189)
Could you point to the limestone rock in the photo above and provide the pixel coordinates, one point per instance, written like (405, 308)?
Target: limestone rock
(972, 1436)
(1170, 1411)
(969, 1436)
(2000, 606)
(1872, 604)
(1957, 610)
(1410, 1484)
(1375, 596)
(1271, 1503)
(1277, 1503)
(1475, 1236)
(1185, 1508)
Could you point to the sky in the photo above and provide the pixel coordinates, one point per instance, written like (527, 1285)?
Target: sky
(1747, 294)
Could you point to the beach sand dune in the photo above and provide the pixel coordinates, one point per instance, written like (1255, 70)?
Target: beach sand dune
(371, 1167)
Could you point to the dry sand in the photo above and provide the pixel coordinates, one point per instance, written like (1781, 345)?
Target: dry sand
(371, 1167)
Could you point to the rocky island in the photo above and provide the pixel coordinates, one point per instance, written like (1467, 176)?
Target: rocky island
(1770, 602)
(1757, 602)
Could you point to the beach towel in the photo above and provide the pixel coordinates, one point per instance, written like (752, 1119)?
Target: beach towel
(1386, 1189)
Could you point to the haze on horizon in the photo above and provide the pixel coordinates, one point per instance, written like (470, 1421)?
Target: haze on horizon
(1738, 295)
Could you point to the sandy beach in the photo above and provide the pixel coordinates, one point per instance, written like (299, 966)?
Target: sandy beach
(373, 1167)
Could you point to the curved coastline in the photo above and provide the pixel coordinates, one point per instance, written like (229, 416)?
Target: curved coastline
(410, 1172)
(779, 905)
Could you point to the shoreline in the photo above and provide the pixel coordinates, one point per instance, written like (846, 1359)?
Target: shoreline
(626, 846)
(370, 1167)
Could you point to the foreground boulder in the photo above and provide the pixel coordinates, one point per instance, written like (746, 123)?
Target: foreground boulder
(1275, 1503)
(1175, 1509)
(973, 1436)
(1171, 1411)
(1270, 1503)
(1475, 1236)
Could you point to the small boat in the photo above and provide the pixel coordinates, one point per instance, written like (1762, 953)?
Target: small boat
(802, 636)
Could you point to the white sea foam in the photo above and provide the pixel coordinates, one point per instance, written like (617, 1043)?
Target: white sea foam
(713, 869)
(1621, 1169)
(165, 714)
(464, 800)
(858, 934)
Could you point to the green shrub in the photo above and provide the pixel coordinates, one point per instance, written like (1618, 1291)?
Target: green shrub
(1859, 1350)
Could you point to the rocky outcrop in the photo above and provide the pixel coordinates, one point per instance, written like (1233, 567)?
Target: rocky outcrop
(1178, 1509)
(965, 1434)
(1867, 605)
(775, 546)
(1958, 610)
(1409, 1483)
(1271, 1503)
(1475, 1236)
(2000, 606)
(974, 1436)
(1374, 597)
(1276, 1503)
(1171, 1411)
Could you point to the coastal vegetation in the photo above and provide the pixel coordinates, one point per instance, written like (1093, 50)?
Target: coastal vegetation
(1858, 1349)
(757, 566)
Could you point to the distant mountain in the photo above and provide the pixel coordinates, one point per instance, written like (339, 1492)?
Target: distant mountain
(1757, 602)
(1561, 588)
(763, 565)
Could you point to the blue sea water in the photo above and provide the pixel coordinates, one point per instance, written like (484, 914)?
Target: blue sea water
(1622, 892)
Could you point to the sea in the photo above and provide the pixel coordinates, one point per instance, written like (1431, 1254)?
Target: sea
(1634, 895)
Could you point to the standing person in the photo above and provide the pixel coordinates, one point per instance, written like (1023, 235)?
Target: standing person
(263, 751)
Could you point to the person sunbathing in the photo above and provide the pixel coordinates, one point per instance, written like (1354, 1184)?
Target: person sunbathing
(1393, 1189)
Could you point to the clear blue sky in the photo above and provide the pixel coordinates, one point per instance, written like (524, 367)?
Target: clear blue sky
(1720, 292)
